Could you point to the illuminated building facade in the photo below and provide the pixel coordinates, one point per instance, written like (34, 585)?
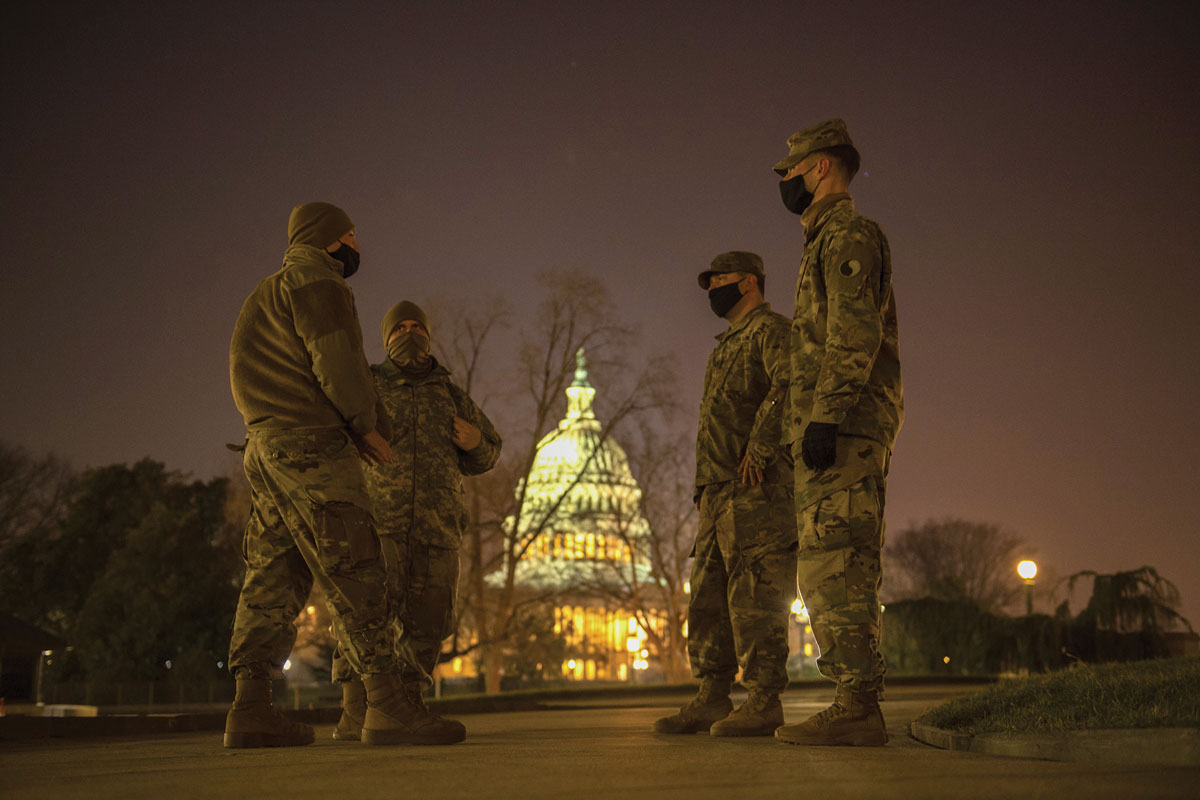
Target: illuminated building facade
(589, 543)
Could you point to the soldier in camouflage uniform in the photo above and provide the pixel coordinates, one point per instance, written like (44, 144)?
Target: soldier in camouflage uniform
(744, 574)
(302, 384)
(440, 435)
(845, 409)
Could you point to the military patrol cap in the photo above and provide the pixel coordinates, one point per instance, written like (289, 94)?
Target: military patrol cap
(830, 133)
(318, 224)
(400, 312)
(733, 261)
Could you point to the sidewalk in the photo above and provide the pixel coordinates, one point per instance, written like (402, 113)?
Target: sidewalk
(586, 747)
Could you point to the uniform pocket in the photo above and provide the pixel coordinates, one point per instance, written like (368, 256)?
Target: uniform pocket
(345, 536)
(829, 525)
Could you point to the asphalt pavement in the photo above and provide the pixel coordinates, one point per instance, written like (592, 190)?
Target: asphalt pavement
(586, 748)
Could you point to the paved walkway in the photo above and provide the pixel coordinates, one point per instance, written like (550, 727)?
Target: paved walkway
(584, 749)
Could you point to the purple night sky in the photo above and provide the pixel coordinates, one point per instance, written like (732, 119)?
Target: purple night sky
(1033, 166)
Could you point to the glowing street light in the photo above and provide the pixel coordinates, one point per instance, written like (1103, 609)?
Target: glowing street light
(1028, 571)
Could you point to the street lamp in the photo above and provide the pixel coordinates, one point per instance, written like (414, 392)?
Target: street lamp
(1028, 571)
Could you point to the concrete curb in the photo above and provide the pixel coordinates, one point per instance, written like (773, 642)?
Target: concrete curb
(1168, 747)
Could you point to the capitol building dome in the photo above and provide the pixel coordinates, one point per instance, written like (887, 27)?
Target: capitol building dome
(581, 508)
(587, 545)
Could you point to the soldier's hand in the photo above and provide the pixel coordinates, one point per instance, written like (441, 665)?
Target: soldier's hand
(818, 448)
(751, 475)
(374, 449)
(465, 435)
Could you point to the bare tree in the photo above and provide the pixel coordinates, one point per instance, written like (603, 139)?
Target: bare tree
(32, 491)
(659, 458)
(576, 312)
(953, 559)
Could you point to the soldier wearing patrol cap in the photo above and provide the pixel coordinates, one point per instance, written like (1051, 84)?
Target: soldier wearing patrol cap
(303, 387)
(845, 409)
(744, 573)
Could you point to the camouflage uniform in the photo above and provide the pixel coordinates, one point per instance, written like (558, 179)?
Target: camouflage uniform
(301, 382)
(309, 519)
(845, 371)
(743, 577)
(421, 511)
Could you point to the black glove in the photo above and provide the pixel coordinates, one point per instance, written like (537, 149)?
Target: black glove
(818, 448)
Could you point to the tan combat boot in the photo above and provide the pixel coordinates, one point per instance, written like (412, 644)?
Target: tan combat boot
(760, 715)
(395, 717)
(254, 722)
(853, 719)
(354, 709)
(710, 704)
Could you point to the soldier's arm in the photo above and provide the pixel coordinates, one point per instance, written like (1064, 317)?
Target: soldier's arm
(323, 313)
(854, 327)
(383, 422)
(484, 455)
(383, 427)
(766, 437)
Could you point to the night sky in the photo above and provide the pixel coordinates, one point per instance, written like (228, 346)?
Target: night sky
(1034, 167)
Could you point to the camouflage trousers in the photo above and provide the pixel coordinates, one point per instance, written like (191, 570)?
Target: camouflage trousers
(841, 536)
(743, 584)
(422, 581)
(309, 521)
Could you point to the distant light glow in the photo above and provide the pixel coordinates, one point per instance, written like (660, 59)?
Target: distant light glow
(1027, 570)
(798, 608)
(945, 659)
(287, 664)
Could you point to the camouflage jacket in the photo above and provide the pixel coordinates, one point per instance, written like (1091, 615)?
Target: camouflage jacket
(745, 393)
(296, 358)
(420, 493)
(845, 352)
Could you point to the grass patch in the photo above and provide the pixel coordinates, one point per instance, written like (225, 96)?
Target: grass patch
(1160, 693)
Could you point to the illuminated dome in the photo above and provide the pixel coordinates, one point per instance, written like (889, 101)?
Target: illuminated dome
(582, 504)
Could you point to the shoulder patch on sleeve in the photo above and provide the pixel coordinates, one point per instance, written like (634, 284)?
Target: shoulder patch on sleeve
(322, 307)
(854, 260)
(850, 273)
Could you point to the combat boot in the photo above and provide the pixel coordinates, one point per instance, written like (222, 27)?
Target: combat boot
(760, 715)
(710, 704)
(394, 716)
(354, 709)
(254, 722)
(853, 719)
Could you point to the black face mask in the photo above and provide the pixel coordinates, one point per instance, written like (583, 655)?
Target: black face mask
(349, 258)
(796, 197)
(724, 298)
